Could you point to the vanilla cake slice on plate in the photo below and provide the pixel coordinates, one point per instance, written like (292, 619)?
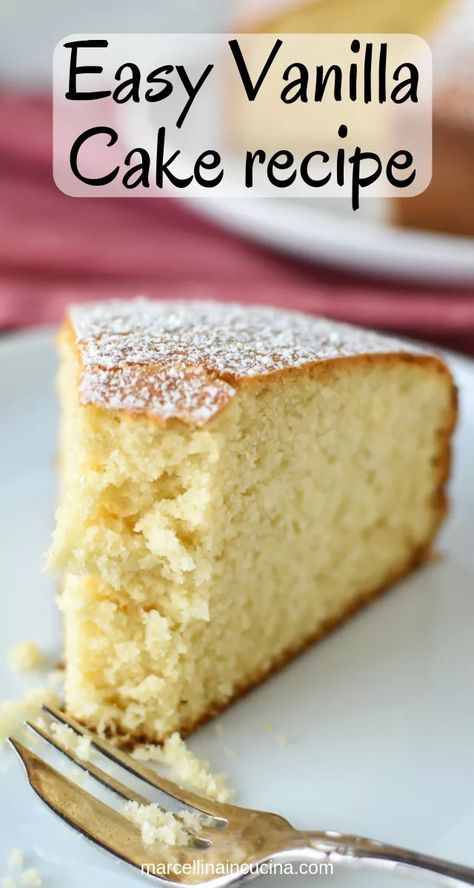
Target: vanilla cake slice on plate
(235, 481)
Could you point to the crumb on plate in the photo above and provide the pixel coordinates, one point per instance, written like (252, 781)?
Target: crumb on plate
(15, 858)
(26, 656)
(31, 878)
(13, 712)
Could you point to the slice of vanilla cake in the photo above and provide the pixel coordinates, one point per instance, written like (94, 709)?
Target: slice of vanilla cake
(234, 482)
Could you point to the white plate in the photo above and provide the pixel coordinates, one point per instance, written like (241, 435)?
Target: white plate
(379, 716)
(328, 232)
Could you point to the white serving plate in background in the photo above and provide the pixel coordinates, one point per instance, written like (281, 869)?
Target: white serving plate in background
(326, 231)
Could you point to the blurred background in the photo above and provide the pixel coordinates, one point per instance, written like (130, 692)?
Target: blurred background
(409, 268)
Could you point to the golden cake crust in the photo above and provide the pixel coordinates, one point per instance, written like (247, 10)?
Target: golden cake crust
(185, 360)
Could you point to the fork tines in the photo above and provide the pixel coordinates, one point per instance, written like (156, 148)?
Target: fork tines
(147, 775)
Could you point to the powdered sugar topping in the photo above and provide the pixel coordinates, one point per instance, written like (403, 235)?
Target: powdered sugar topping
(182, 360)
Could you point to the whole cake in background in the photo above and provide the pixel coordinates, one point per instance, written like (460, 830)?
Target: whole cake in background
(339, 16)
(448, 202)
(272, 126)
(235, 481)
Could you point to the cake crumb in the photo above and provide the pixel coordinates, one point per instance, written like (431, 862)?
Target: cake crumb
(26, 656)
(157, 825)
(30, 877)
(71, 741)
(229, 752)
(15, 858)
(218, 729)
(75, 776)
(282, 739)
(267, 727)
(55, 678)
(13, 712)
(186, 767)
(7, 882)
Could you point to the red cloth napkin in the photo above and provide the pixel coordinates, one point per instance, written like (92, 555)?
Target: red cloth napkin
(56, 249)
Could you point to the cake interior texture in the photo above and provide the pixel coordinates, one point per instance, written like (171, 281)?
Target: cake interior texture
(194, 560)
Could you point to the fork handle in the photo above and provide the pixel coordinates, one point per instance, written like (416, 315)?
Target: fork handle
(369, 854)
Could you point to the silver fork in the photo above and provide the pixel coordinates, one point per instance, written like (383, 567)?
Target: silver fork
(239, 840)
